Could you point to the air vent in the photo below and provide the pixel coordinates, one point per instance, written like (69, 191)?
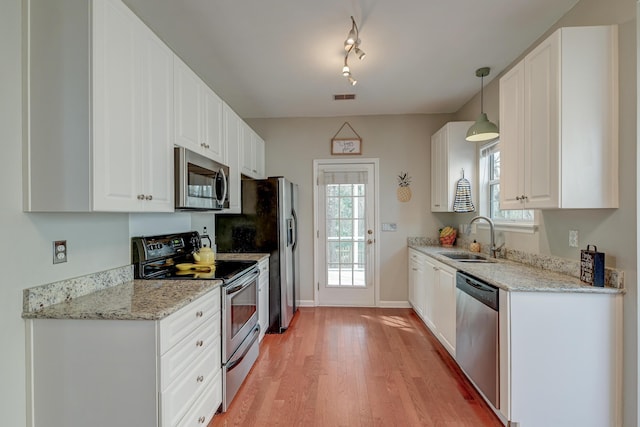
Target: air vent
(344, 97)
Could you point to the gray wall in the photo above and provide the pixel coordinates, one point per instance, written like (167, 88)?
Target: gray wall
(612, 230)
(401, 143)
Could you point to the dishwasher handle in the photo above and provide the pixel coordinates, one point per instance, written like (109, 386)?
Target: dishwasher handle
(478, 290)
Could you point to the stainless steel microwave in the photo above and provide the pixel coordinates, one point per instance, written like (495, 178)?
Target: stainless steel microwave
(200, 183)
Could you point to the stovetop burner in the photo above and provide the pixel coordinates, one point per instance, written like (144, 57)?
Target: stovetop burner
(156, 257)
(221, 270)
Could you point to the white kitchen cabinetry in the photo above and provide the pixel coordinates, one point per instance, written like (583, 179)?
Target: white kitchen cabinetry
(561, 358)
(127, 372)
(559, 123)
(198, 115)
(232, 134)
(263, 297)
(100, 133)
(444, 309)
(417, 291)
(432, 294)
(252, 153)
(450, 154)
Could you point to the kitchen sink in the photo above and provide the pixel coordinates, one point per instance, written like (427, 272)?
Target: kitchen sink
(466, 257)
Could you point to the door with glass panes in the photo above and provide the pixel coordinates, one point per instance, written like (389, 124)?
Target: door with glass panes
(345, 212)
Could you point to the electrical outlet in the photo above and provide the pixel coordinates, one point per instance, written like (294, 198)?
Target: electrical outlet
(59, 251)
(573, 238)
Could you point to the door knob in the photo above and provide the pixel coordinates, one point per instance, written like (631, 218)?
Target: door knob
(370, 241)
(369, 231)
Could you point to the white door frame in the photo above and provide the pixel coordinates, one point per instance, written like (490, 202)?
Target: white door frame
(376, 223)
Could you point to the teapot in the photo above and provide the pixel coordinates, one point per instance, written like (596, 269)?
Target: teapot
(204, 256)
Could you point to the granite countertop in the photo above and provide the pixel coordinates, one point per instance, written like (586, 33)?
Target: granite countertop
(132, 300)
(513, 276)
(240, 256)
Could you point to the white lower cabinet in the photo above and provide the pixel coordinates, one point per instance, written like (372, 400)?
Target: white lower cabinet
(561, 358)
(106, 373)
(263, 297)
(432, 294)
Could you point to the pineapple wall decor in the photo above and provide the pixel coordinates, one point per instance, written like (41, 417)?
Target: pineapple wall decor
(404, 192)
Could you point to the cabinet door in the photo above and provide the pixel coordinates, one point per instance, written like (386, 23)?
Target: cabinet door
(438, 196)
(445, 307)
(512, 150)
(212, 140)
(187, 107)
(248, 151)
(116, 116)
(260, 157)
(263, 298)
(429, 279)
(157, 121)
(232, 136)
(541, 125)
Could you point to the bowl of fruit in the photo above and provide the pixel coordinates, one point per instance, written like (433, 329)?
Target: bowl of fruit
(448, 236)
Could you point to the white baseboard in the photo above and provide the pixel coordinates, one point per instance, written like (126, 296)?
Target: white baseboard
(306, 303)
(394, 304)
(381, 304)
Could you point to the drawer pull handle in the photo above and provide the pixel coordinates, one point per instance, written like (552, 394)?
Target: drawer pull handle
(199, 343)
(200, 378)
(199, 313)
(201, 420)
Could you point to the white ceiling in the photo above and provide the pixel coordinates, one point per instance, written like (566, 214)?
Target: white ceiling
(283, 58)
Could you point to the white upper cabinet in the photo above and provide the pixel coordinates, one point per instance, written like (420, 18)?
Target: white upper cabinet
(252, 153)
(198, 115)
(559, 123)
(232, 135)
(100, 131)
(450, 155)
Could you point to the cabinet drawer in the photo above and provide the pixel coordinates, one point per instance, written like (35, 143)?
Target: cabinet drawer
(206, 406)
(181, 323)
(178, 359)
(176, 400)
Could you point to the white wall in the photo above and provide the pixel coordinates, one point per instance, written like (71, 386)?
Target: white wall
(612, 230)
(402, 143)
(96, 241)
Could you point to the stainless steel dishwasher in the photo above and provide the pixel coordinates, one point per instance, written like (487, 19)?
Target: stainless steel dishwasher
(477, 334)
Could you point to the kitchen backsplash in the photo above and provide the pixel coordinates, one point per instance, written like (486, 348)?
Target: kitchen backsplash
(612, 277)
(37, 298)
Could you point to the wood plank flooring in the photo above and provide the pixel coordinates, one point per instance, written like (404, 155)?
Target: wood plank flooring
(356, 367)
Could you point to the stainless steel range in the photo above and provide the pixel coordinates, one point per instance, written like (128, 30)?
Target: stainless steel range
(158, 257)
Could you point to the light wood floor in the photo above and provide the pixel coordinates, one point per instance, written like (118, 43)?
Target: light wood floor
(355, 367)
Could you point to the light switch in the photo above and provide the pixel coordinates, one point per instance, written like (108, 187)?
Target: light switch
(389, 226)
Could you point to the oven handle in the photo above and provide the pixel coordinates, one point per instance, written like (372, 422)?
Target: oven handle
(244, 283)
(233, 363)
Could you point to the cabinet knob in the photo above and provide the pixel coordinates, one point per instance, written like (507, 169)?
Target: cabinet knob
(199, 343)
(201, 420)
(140, 196)
(200, 378)
(199, 313)
(149, 197)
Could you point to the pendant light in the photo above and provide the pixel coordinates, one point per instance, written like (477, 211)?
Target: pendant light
(482, 129)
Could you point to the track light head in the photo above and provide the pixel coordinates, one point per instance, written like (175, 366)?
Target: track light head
(359, 53)
(352, 80)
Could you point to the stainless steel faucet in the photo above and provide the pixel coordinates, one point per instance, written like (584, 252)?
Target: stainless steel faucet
(494, 250)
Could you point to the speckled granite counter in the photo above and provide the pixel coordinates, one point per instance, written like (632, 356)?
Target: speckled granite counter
(513, 276)
(133, 300)
(240, 256)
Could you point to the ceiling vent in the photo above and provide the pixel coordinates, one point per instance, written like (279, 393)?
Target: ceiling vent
(344, 97)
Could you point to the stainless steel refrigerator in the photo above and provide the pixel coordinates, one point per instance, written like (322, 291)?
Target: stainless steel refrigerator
(267, 224)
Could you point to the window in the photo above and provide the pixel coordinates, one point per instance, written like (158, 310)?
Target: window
(490, 191)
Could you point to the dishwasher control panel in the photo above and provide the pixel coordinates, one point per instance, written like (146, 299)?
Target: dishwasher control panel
(483, 292)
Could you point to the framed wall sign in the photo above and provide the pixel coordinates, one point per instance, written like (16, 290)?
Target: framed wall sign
(346, 146)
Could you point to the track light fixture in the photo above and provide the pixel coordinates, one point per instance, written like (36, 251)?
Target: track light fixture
(352, 44)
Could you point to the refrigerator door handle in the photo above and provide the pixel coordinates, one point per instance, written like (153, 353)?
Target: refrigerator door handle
(294, 242)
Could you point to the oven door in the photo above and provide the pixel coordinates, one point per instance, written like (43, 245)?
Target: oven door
(200, 183)
(240, 311)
